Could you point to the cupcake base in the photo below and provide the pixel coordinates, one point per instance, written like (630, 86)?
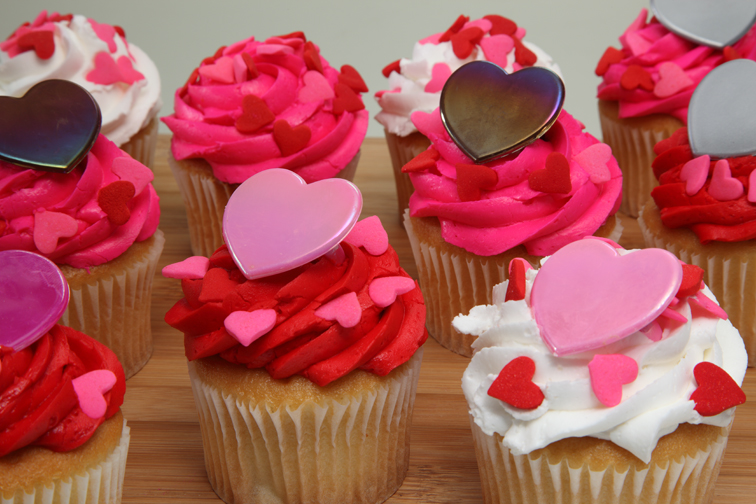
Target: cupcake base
(290, 441)
(632, 141)
(402, 151)
(142, 145)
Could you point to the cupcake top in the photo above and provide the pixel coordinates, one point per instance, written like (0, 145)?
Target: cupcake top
(259, 105)
(558, 189)
(96, 56)
(416, 83)
(565, 352)
(656, 70)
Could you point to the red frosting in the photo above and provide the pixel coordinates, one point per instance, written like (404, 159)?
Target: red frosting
(301, 342)
(38, 405)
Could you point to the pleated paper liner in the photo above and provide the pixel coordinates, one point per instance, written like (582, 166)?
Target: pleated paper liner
(402, 150)
(142, 145)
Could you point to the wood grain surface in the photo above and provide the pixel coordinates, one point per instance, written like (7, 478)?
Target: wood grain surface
(165, 461)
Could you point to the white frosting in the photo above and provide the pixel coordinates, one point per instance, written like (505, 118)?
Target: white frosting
(652, 406)
(125, 108)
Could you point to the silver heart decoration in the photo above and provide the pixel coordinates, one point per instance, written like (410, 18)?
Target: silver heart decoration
(715, 23)
(722, 110)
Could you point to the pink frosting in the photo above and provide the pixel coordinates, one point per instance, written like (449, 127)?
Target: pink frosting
(511, 213)
(652, 46)
(25, 195)
(208, 107)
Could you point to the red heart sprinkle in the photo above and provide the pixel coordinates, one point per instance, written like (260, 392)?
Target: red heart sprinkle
(730, 53)
(635, 76)
(514, 385)
(391, 67)
(555, 178)
(290, 140)
(353, 79)
(119, 31)
(716, 391)
(501, 25)
(312, 57)
(346, 99)
(255, 115)
(679, 137)
(113, 199)
(523, 55)
(609, 58)
(253, 71)
(211, 59)
(423, 161)
(296, 34)
(454, 28)
(464, 42)
(691, 281)
(517, 283)
(216, 285)
(472, 178)
(41, 41)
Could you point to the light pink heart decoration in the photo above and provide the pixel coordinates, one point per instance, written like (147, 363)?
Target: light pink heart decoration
(752, 187)
(439, 75)
(90, 389)
(723, 186)
(383, 291)
(587, 296)
(672, 79)
(608, 374)
(345, 310)
(128, 74)
(653, 331)
(222, 70)
(316, 88)
(370, 234)
(275, 222)
(128, 168)
(49, 227)
(673, 315)
(105, 70)
(707, 304)
(694, 173)
(496, 48)
(104, 32)
(594, 161)
(274, 49)
(191, 268)
(246, 327)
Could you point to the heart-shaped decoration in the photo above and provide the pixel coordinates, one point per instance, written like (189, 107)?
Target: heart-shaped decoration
(609, 58)
(464, 41)
(594, 161)
(192, 268)
(694, 173)
(30, 127)
(131, 170)
(346, 99)
(721, 111)
(345, 310)
(275, 222)
(716, 391)
(246, 327)
(587, 295)
(636, 77)
(383, 291)
(42, 41)
(723, 186)
(423, 161)
(554, 178)
(514, 385)
(255, 114)
(705, 22)
(517, 285)
(90, 388)
(439, 75)
(490, 114)
(31, 304)
(114, 198)
(49, 227)
(222, 70)
(316, 87)
(370, 234)
(352, 78)
(472, 178)
(608, 374)
(290, 140)
(672, 79)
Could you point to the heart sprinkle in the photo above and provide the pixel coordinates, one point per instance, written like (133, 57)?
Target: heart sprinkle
(514, 384)
(346, 99)
(608, 374)
(370, 234)
(672, 80)
(290, 140)
(192, 268)
(609, 58)
(440, 74)
(694, 173)
(383, 291)
(594, 161)
(394, 66)
(246, 327)
(723, 186)
(691, 280)
(517, 280)
(251, 67)
(554, 178)
(49, 227)
(423, 161)
(312, 57)
(113, 199)
(716, 391)
(255, 115)
(464, 41)
(42, 41)
(472, 178)
(345, 310)
(352, 78)
(90, 389)
(131, 170)
(634, 77)
(710, 306)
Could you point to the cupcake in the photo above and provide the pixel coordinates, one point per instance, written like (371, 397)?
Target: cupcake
(644, 94)
(259, 105)
(62, 435)
(304, 366)
(96, 56)
(415, 84)
(606, 376)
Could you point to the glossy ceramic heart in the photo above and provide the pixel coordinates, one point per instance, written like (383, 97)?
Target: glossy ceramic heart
(707, 22)
(52, 127)
(275, 221)
(587, 296)
(721, 111)
(33, 296)
(489, 113)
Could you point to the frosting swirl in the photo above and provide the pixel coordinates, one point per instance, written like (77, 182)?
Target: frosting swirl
(83, 218)
(38, 404)
(415, 84)
(274, 104)
(96, 56)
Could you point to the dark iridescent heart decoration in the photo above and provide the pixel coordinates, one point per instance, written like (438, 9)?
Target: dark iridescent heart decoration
(52, 127)
(489, 113)
(713, 23)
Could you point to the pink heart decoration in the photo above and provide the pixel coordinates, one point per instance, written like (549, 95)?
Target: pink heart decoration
(90, 389)
(104, 32)
(383, 291)
(496, 48)
(672, 79)
(274, 49)
(107, 71)
(275, 222)
(723, 186)
(241, 72)
(752, 187)
(345, 310)
(246, 327)
(316, 88)
(191, 268)
(51, 226)
(221, 71)
(694, 173)
(31, 304)
(370, 234)
(439, 74)
(131, 170)
(587, 296)
(608, 374)
(653, 331)
(128, 74)
(707, 304)
(594, 161)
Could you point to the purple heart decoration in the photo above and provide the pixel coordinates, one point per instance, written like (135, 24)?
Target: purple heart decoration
(707, 22)
(33, 296)
(275, 221)
(52, 127)
(489, 113)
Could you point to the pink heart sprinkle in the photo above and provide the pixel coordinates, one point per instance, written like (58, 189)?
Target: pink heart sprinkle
(439, 74)
(128, 74)
(672, 79)
(51, 226)
(274, 49)
(221, 71)
(246, 327)
(191, 268)
(752, 187)
(104, 32)
(383, 291)
(723, 186)
(594, 161)
(105, 71)
(637, 43)
(369, 233)
(496, 48)
(707, 304)
(345, 310)
(673, 315)
(131, 170)
(241, 71)
(608, 374)
(694, 173)
(316, 88)
(90, 389)
(653, 331)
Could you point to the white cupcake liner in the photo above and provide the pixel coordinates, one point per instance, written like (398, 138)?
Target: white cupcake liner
(346, 449)
(143, 144)
(101, 484)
